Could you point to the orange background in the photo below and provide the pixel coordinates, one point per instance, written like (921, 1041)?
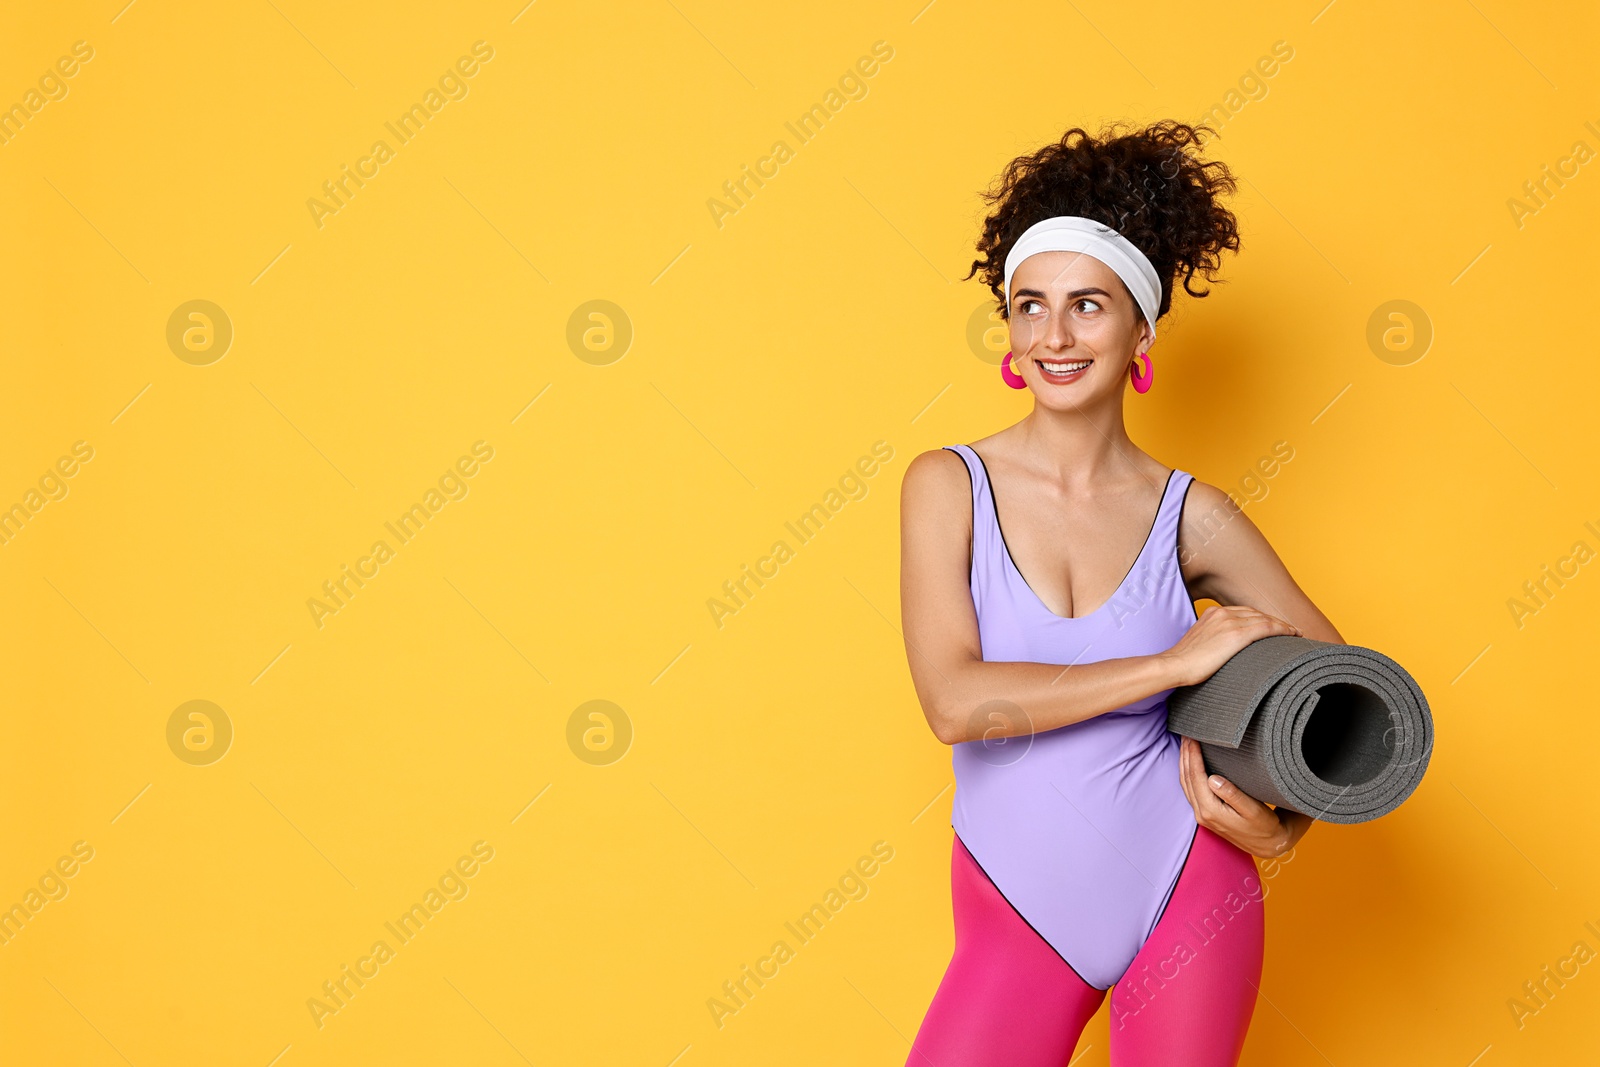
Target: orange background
(762, 758)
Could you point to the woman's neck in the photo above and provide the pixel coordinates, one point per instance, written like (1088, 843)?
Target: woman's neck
(1082, 446)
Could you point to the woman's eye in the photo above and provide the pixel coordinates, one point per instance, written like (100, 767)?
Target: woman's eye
(1033, 307)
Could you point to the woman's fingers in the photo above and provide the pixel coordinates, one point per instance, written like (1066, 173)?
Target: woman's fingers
(1251, 819)
(1244, 624)
(1183, 769)
(1189, 754)
(1220, 634)
(1188, 778)
(1276, 625)
(1193, 777)
(1221, 806)
(1283, 625)
(1227, 792)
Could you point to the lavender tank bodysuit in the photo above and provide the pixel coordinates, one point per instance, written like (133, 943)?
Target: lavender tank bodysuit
(1084, 828)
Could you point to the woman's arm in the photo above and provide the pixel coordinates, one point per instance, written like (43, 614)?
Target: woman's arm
(940, 626)
(1226, 558)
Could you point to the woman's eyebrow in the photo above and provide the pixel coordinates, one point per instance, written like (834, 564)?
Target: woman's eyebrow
(1091, 290)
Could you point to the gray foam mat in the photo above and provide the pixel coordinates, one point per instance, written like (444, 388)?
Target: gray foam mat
(1339, 732)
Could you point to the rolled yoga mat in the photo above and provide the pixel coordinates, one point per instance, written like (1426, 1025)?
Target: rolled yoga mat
(1339, 732)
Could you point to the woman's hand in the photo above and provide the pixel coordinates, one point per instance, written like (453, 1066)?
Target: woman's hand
(1219, 635)
(1224, 809)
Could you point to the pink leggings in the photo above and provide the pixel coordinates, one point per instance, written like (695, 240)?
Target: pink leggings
(1185, 1001)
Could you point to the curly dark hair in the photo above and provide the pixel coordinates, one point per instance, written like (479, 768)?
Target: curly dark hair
(1148, 184)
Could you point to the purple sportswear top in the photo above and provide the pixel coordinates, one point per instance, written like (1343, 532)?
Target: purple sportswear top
(1084, 828)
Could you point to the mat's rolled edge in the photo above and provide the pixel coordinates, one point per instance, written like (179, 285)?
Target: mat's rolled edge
(1227, 718)
(1247, 678)
(1246, 772)
(1409, 755)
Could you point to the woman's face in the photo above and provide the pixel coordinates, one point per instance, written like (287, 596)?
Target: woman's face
(1074, 329)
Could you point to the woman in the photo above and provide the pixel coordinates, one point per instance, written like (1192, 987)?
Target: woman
(1091, 849)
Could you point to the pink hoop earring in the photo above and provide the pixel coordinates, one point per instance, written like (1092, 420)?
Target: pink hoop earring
(1141, 383)
(1012, 378)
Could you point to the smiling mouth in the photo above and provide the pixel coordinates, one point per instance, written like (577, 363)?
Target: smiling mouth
(1064, 370)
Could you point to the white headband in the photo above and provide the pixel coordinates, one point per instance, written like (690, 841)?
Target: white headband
(1074, 233)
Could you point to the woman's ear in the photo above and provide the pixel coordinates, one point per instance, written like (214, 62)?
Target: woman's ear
(1146, 338)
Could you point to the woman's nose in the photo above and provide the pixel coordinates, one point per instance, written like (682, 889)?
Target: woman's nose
(1058, 332)
(1052, 332)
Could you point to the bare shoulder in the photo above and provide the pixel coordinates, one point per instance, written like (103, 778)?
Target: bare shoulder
(1225, 557)
(1211, 522)
(1217, 539)
(1205, 503)
(935, 481)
